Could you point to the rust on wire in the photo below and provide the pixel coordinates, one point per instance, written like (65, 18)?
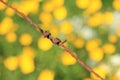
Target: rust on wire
(56, 41)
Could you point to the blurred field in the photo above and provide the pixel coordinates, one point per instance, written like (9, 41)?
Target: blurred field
(91, 28)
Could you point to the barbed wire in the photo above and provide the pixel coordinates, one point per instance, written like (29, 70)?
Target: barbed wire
(55, 41)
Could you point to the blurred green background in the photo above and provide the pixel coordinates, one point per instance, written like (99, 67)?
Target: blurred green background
(91, 28)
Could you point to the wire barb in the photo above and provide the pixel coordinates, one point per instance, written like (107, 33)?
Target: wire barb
(56, 41)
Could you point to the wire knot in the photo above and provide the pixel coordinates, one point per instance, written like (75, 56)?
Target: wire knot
(57, 41)
(46, 34)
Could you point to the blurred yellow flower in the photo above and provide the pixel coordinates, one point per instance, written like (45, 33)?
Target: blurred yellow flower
(58, 3)
(6, 25)
(11, 37)
(46, 75)
(94, 6)
(118, 31)
(108, 17)
(29, 51)
(96, 20)
(92, 44)
(113, 38)
(36, 0)
(116, 4)
(115, 77)
(9, 12)
(67, 59)
(109, 48)
(54, 31)
(82, 4)
(25, 39)
(29, 7)
(78, 43)
(96, 54)
(60, 13)
(26, 64)
(99, 71)
(44, 44)
(48, 6)
(45, 18)
(104, 67)
(66, 27)
(11, 63)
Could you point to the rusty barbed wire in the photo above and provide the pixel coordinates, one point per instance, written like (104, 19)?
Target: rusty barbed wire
(55, 41)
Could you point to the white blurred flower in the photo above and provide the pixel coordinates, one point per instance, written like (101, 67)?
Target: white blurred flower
(81, 29)
(116, 23)
(115, 60)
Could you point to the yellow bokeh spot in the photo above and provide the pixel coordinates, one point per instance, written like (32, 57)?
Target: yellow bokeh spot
(45, 18)
(60, 13)
(29, 7)
(44, 44)
(113, 38)
(96, 20)
(29, 51)
(99, 71)
(116, 5)
(78, 43)
(109, 48)
(46, 75)
(54, 31)
(96, 54)
(58, 3)
(92, 44)
(105, 67)
(115, 77)
(36, 0)
(48, 7)
(9, 12)
(25, 39)
(94, 6)
(67, 59)
(11, 37)
(82, 4)
(118, 31)
(26, 64)
(11, 63)
(66, 27)
(108, 17)
(6, 26)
